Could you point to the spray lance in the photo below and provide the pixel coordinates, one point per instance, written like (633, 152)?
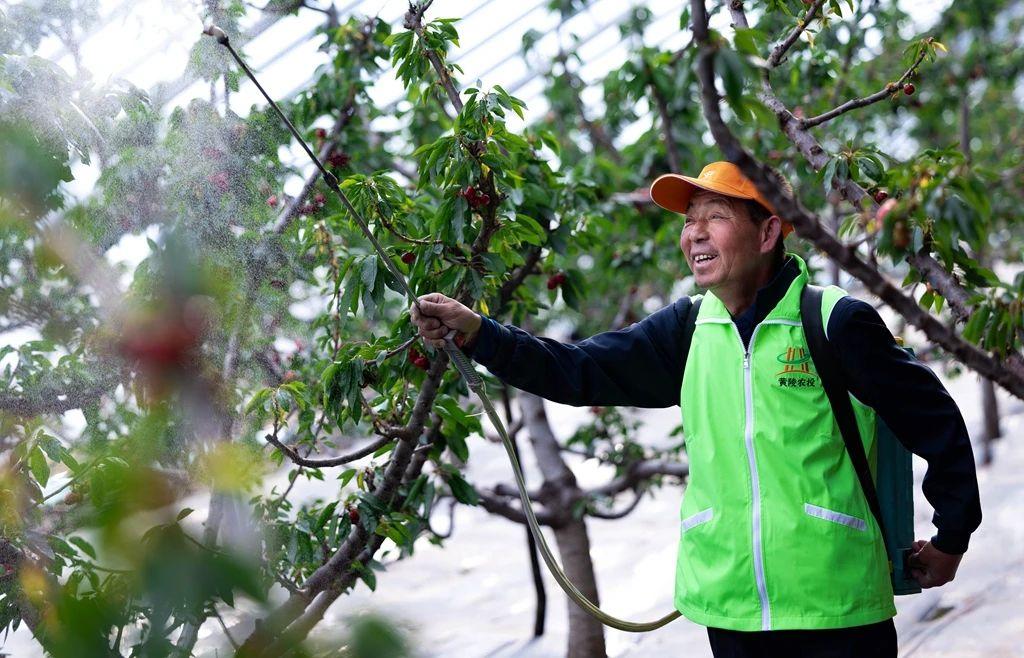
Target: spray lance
(462, 364)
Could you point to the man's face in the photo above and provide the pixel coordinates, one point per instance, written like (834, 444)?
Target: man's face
(720, 227)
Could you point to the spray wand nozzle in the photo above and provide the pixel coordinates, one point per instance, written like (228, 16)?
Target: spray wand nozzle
(220, 35)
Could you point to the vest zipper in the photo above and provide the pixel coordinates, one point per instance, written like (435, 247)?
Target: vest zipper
(755, 485)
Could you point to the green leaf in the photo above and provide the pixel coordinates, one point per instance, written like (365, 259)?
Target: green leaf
(325, 514)
(258, 400)
(730, 67)
(183, 513)
(346, 476)
(368, 275)
(85, 546)
(462, 490)
(37, 464)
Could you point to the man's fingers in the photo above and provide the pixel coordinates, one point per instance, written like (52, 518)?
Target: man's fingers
(432, 309)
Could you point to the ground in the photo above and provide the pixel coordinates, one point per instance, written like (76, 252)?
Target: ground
(474, 598)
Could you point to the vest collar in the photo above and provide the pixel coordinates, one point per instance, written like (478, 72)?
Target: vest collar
(785, 287)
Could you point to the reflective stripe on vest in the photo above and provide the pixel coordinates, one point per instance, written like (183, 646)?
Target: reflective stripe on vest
(785, 538)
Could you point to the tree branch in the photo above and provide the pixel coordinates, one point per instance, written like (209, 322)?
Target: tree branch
(942, 281)
(638, 472)
(327, 462)
(620, 513)
(888, 91)
(671, 149)
(414, 21)
(58, 397)
(291, 211)
(780, 50)
(807, 226)
(495, 504)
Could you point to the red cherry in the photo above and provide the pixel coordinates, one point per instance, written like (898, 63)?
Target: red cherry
(880, 196)
(321, 133)
(553, 282)
(353, 514)
(560, 277)
(408, 258)
(338, 159)
(272, 201)
(414, 354)
(483, 200)
(909, 88)
(422, 363)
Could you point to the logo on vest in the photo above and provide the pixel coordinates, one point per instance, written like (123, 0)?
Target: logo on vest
(796, 371)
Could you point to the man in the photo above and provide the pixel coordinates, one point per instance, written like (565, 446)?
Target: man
(779, 554)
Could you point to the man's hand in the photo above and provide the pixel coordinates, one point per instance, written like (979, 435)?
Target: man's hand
(930, 566)
(440, 315)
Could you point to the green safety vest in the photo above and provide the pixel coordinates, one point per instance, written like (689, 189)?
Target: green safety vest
(775, 530)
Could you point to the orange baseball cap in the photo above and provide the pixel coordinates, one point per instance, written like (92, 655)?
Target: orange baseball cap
(673, 191)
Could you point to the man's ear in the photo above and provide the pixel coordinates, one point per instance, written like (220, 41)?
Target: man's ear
(771, 229)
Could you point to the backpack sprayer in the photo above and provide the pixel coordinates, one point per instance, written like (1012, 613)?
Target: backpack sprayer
(465, 368)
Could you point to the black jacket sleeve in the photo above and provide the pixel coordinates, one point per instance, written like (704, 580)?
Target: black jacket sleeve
(639, 366)
(915, 405)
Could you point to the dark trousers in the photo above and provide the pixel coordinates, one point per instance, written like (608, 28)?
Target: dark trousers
(870, 641)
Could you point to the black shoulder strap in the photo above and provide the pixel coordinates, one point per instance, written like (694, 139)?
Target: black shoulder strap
(688, 327)
(832, 380)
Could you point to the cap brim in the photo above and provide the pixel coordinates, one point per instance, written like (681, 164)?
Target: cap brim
(673, 191)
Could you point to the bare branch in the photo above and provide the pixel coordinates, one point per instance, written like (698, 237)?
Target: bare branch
(497, 505)
(671, 149)
(638, 495)
(598, 136)
(327, 462)
(638, 472)
(512, 491)
(451, 520)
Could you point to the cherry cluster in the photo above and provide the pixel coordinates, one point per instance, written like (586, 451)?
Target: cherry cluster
(319, 201)
(418, 359)
(556, 280)
(474, 196)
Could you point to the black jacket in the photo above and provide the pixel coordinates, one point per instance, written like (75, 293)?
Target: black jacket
(642, 366)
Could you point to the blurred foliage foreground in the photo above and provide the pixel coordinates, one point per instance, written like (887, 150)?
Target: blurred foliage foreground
(258, 361)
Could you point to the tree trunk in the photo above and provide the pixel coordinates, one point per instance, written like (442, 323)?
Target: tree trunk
(559, 491)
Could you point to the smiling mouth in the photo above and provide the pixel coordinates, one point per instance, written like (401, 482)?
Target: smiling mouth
(700, 260)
